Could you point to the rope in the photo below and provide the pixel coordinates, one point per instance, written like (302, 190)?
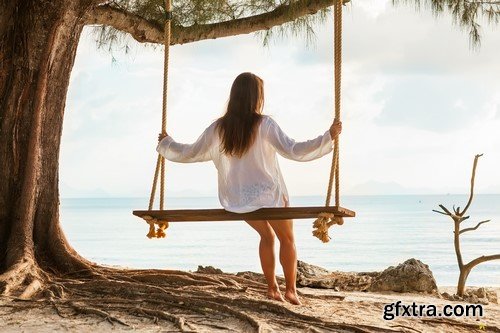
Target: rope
(155, 181)
(338, 81)
(325, 220)
(168, 9)
(160, 163)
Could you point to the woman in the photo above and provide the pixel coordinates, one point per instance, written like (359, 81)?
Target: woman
(243, 145)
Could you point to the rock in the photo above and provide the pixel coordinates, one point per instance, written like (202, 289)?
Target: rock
(208, 270)
(317, 277)
(483, 301)
(480, 292)
(480, 295)
(410, 276)
(483, 294)
(447, 296)
(473, 299)
(491, 295)
(305, 270)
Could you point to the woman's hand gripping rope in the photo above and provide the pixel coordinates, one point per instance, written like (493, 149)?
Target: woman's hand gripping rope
(336, 128)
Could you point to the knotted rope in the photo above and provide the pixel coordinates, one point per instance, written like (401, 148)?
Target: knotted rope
(326, 220)
(159, 232)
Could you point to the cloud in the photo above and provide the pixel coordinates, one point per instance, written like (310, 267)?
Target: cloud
(417, 105)
(437, 103)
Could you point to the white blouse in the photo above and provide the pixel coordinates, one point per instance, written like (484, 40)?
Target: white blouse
(253, 181)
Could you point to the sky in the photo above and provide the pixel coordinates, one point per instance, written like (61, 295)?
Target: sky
(417, 104)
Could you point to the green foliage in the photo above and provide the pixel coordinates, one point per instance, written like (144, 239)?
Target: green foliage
(466, 13)
(198, 12)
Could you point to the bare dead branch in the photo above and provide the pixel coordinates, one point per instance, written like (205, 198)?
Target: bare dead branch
(445, 210)
(458, 217)
(472, 179)
(440, 212)
(481, 259)
(474, 228)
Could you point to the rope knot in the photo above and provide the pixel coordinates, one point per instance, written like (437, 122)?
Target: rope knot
(323, 223)
(156, 227)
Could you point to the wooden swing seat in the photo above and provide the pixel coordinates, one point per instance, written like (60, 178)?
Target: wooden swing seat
(279, 213)
(325, 216)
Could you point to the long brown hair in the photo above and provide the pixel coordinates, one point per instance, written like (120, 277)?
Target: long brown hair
(244, 111)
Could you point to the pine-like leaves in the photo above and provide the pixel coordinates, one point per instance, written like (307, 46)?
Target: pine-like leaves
(468, 14)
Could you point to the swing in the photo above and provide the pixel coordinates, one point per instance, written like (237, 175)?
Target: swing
(326, 216)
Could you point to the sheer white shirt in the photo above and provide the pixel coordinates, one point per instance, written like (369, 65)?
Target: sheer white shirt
(255, 180)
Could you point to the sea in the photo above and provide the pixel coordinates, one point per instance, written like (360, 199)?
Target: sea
(386, 231)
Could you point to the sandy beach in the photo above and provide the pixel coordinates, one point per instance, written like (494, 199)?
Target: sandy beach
(361, 308)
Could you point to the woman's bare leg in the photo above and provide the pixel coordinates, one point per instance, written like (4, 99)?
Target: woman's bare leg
(267, 257)
(288, 256)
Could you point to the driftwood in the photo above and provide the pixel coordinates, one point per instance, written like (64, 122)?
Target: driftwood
(458, 216)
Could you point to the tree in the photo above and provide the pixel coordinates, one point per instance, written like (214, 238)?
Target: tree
(38, 45)
(467, 14)
(38, 42)
(458, 216)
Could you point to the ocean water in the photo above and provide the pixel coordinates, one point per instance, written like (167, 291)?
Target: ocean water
(386, 231)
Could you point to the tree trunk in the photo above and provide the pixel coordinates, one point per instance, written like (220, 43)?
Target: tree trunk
(462, 279)
(37, 51)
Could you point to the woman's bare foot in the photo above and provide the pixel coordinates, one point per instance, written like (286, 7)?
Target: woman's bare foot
(292, 297)
(275, 294)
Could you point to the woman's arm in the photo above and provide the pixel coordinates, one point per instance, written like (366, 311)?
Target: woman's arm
(187, 153)
(298, 151)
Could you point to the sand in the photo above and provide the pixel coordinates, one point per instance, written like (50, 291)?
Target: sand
(356, 307)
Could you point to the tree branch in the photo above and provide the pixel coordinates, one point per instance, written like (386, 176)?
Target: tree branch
(140, 29)
(477, 226)
(440, 212)
(145, 31)
(474, 166)
(445, 210)
(481, 259)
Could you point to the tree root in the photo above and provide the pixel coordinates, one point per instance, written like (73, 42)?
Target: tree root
(407, 327)
(23, 280)
(205, 300)
(452, 322)
(93, 311)
(170, 279)
(322, 297)
(189, 301)
(58, 311)
(180, 322)
(224, 304)
(34, 287)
